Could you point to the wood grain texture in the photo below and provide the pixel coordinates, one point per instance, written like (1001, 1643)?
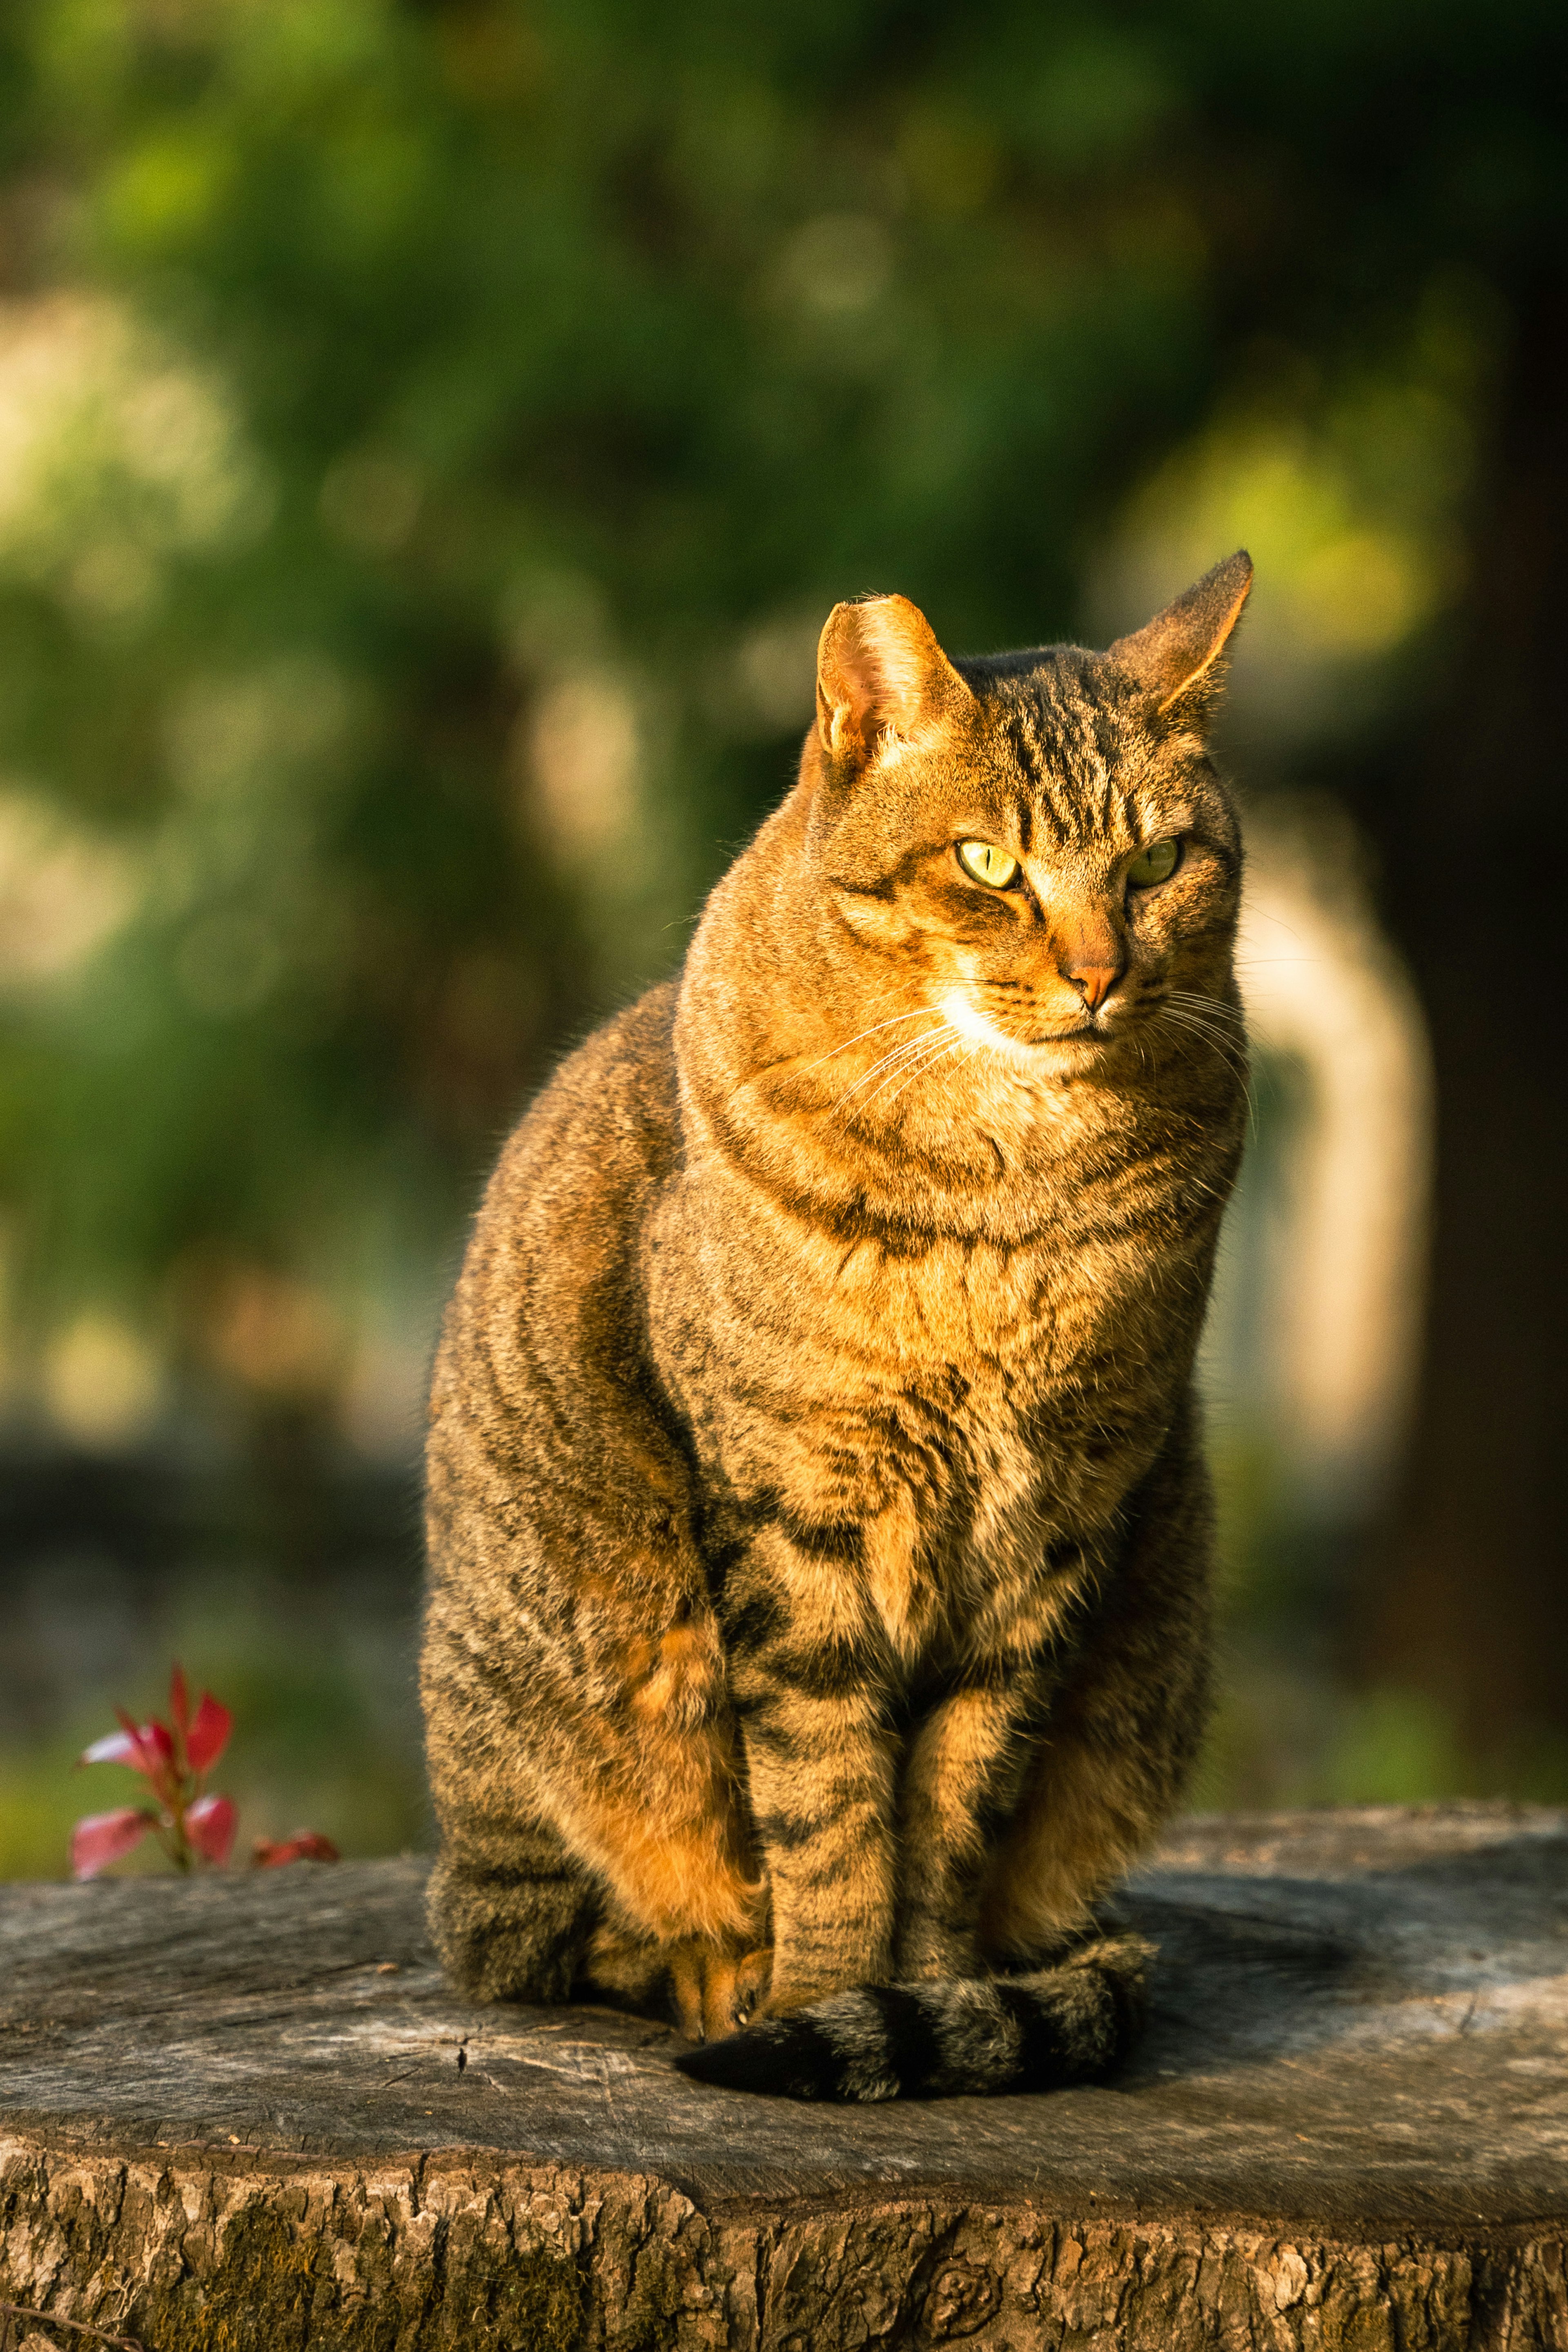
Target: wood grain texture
(233, 2116)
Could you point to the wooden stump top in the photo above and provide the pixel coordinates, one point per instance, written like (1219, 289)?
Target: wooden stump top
(1359, 2040)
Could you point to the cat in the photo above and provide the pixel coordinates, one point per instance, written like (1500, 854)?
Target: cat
(819, 1532)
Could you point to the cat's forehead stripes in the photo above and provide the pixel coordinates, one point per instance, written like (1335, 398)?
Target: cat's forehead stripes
(1066, 755)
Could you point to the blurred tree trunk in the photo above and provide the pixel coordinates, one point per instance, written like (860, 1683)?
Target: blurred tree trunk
(1474, 1603)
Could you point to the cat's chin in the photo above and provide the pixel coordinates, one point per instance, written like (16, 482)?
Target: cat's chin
(1068, 1054)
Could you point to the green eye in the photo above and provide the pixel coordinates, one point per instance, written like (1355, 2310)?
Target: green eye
(1155, 864)
(983, 862)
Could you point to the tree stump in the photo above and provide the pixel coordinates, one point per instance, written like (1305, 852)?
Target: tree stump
(247, 2113)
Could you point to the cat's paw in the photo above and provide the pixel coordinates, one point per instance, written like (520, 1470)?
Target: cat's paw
(715, 1992)
(752, 1980)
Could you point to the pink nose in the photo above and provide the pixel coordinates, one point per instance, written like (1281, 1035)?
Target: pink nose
(1093, 981)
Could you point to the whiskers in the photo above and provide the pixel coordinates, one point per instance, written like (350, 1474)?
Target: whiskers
(918, 1012)
(902, 1065)
(955, 1039)
(1220, 1027)
(895, 1069)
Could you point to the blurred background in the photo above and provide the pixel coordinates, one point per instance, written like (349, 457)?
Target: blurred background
(430, 437)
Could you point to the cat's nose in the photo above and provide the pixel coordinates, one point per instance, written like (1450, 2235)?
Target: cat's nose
(1093, 981)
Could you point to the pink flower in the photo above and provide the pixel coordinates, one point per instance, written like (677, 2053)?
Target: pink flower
(210, 1825)
(191, 1827)
(172, 1758)
(103, 1838)
(305, 1845)
(206, 1736)
(147, 1748)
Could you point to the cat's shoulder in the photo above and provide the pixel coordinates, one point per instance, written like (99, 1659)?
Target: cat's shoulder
(553, 1249)
(609, 1115)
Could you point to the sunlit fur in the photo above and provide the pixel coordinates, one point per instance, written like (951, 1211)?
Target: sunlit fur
(818, 1533)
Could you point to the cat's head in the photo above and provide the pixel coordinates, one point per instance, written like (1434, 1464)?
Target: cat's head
(1037, 842)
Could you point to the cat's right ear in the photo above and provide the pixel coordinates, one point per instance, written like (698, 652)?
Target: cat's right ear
(883, 680)
(1180, 657)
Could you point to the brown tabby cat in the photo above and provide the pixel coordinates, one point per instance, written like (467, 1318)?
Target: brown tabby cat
(819, 1534)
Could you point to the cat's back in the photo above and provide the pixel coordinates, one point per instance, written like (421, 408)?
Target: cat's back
(548, 1305)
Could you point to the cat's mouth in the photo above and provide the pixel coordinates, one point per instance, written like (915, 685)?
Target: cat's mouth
(960, 1011)
(1089, 1026)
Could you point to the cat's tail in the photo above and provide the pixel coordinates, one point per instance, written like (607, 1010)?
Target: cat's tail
(1071, 2023)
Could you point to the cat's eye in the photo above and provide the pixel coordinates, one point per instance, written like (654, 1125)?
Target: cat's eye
(982, 861)
(1155, 864)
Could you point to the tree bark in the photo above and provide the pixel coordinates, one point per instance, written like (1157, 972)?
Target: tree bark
(233, 2118)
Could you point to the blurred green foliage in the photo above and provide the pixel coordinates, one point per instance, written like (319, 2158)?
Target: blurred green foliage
(431, 436)
(413, 364)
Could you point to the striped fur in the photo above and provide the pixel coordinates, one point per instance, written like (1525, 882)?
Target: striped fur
(818, 1526)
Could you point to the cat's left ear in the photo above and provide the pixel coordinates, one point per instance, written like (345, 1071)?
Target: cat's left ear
(1180, 657)
(882, 678)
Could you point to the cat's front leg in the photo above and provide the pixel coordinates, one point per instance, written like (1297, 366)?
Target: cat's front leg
(1124, 1725)
(961, 1782)
(821, 1771)
(969, 1761)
